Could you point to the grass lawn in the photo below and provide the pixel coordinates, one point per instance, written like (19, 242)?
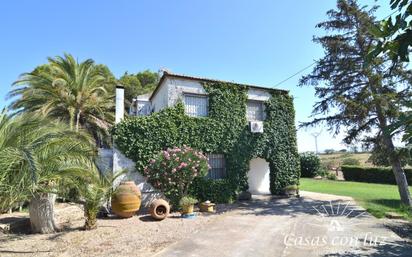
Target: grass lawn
(375, 198)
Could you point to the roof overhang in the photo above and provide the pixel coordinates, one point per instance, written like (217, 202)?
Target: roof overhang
(200, 79)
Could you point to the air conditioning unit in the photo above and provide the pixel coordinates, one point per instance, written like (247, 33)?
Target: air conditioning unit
(256, 126)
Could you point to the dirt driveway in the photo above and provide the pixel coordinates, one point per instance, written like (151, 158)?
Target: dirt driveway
(313, 225)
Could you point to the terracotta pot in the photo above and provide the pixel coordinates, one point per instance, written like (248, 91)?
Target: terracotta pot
(187, 209)
(126, 199)
(159, 209)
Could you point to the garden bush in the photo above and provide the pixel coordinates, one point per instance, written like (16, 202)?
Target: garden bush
(172, 171)
(331, 176)
(381, 175)
(350, 161)
(215, 190)
(309, 165)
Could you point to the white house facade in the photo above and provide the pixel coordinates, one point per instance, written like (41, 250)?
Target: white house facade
(175, 87)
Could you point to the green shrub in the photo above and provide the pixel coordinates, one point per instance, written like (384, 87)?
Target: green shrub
(173, 170)
(309, 165)
(331, 176)
(350, 161)
(379, 175)
(215, 190)
(322, 171)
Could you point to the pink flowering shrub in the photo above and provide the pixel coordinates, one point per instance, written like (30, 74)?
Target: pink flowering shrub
(173, 170)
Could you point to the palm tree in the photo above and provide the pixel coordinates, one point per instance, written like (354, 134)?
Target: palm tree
(38, 159)
(95, 192)
(77, 93)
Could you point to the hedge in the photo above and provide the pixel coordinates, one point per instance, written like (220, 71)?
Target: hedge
(379, 175)
(215, 190)
(224, 131)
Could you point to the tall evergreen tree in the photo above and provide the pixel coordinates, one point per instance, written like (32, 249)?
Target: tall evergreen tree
(364, 99)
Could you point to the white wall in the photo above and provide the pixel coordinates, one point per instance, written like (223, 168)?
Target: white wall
(110, 160)
(160, 100)
(177, 87)
(172, 89)
(258, 176)
(258, 94)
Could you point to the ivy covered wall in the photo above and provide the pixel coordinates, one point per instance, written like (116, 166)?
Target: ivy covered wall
(224, 131)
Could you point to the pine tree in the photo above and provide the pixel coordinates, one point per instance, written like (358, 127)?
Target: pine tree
(360, 95)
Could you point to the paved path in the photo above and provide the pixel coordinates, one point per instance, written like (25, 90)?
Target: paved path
(313, 225)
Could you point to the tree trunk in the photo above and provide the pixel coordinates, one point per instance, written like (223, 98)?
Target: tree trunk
(78, 120)
(41, 210)
(398, 172)
(91, 219)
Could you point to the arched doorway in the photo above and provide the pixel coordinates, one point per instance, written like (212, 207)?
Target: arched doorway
(258, 176)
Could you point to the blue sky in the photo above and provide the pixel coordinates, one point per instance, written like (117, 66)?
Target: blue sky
(257, 42)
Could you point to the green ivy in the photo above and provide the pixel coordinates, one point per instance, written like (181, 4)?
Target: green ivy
(225, 131)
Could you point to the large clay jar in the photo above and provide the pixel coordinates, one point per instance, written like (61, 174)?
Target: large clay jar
(159, 209)
(126, 199)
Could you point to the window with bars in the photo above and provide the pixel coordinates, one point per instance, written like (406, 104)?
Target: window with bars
(217, 166)
(196, 105)
(255, 111)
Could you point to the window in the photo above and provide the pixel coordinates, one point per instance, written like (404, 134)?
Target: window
(255, 111)
(217, 166)
(196, 105)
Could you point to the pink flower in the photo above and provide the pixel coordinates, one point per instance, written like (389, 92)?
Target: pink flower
(166, 155)
(152, 161)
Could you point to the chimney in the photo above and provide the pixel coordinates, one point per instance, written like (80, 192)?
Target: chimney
(119, 114)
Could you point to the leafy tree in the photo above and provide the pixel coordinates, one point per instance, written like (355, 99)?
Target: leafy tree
(395, 40)
(329, 151)
(132, 87)
(395, 34)
(138, 84)
(38, 159)
(365, 99)
(77, 93)
(379, 155)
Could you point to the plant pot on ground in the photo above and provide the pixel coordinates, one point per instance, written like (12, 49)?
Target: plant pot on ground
(159, 209)
(126, 199)
(187, 204)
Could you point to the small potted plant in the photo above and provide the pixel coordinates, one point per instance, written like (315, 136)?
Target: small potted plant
(291, 190)
(187, 204)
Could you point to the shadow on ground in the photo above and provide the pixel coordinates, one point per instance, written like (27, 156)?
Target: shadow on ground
(295, 206)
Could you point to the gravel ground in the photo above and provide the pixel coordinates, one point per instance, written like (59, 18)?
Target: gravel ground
(136, 236)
